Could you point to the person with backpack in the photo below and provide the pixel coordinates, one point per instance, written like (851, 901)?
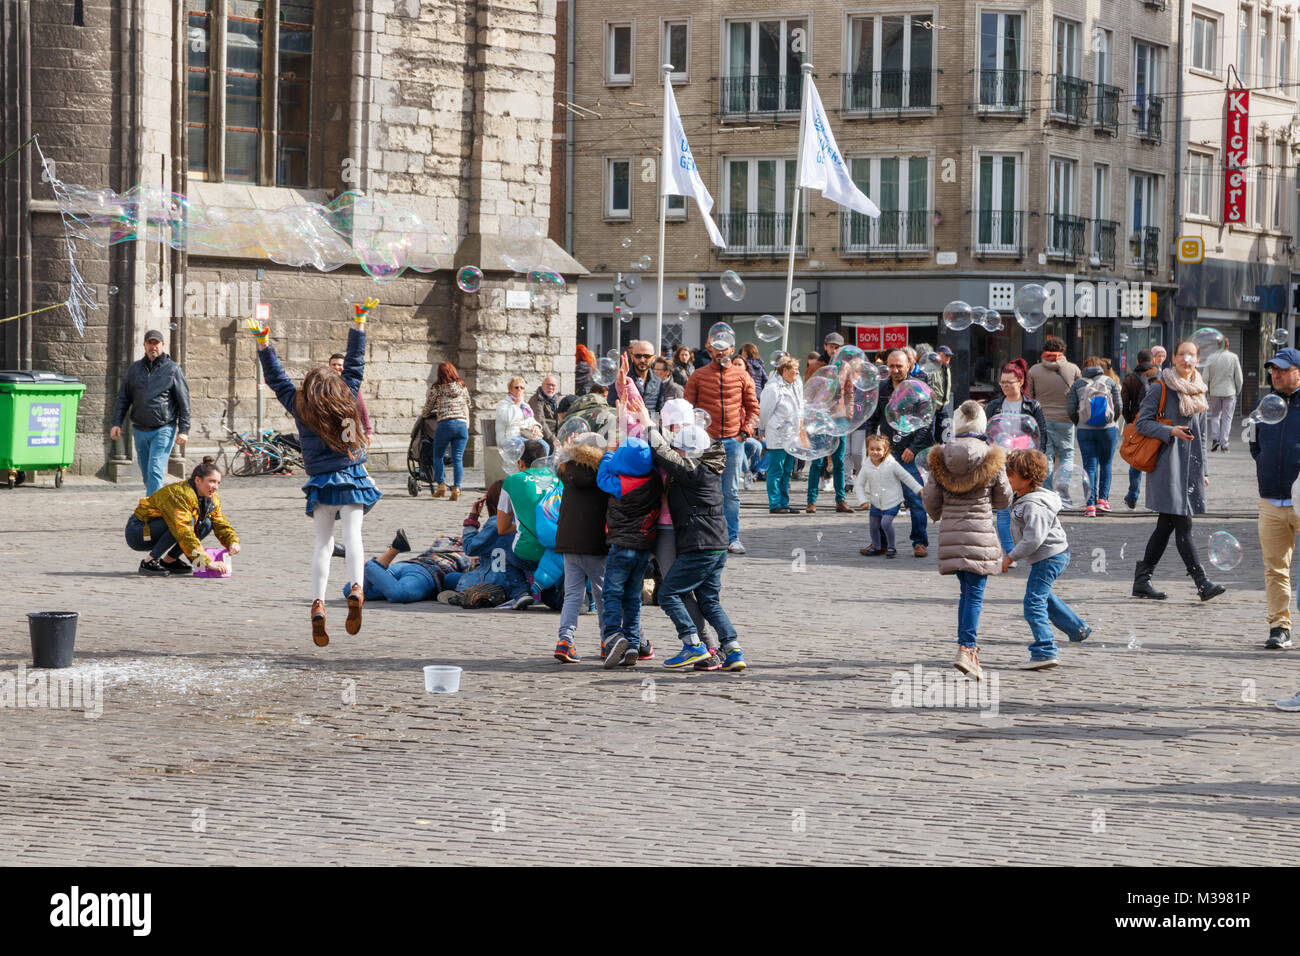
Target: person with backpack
(1093, 405)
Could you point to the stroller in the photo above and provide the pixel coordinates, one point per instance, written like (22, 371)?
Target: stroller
(419, 456)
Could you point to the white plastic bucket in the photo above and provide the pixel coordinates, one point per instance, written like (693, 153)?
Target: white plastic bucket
(441, 679)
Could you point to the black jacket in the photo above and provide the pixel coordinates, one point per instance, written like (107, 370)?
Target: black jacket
(1027, 407)
(918, 440)
(581, 528)
(694, 495)
(636, 495)
(1276, 450)
(1131, 391)
(156, 393)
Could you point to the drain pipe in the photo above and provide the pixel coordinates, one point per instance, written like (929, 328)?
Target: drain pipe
(1178, 171)
(568, 134)
(26, 350)
(358, 146)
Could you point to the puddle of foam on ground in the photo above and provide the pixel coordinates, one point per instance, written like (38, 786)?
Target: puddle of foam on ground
(181, 676)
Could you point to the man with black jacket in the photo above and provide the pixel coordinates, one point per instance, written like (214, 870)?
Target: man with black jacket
(155, 391)
(1276, 450)
(906, 448)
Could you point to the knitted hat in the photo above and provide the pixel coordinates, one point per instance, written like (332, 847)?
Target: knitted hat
(969, 419)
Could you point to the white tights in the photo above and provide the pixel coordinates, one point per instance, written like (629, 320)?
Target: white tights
(350, 518)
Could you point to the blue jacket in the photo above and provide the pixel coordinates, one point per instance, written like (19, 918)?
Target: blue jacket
(318, 457)
(1276, 450)
(482, 544)
(628, 474)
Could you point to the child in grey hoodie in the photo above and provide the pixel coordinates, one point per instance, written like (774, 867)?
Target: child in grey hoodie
(1040, 539)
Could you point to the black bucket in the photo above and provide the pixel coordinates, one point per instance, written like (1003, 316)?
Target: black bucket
(54, 633)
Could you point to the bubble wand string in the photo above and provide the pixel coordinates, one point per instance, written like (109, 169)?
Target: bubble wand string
(20, 315)
(30, 139)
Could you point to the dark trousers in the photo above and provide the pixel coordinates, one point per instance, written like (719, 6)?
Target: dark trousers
(160, 540)
(1180, 526)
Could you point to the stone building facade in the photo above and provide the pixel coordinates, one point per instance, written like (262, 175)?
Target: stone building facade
(441, 106)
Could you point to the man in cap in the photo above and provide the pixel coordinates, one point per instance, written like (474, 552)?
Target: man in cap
(155, 391)
(1276, 450)
(941, 381)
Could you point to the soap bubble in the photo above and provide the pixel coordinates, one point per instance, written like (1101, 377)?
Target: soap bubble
(1031, 307)
(613, 354)
(512, 449)
(1271, 409)
(606, 371)
(835, 401)
(776, 356)
(1279, 337)
(911, 407)
(1072, 484)
(1011, 431)
(642, 263)
(957, 316)
(545, 287)
(809, 446)
(624, 312)
(627, 242)
(545, 466)
(768, 328)
(703, 419)
(631, 281)
(868, 377)
(522, 244)
(931, 364)
(1225, 551)
(733, 286)
(992, 321)
(469, 278)
(722, 336)
(112, 290)
(570, 429)
(1208, 342)
(977, 313)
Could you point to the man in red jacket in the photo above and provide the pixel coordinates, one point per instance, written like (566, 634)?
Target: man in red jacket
(724, 389)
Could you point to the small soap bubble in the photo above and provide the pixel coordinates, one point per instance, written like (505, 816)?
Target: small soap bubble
(722, 336)
(1225, 551)
(957, 316)
(1031, 307)
(1013, 432)
(768, 328)
(911, 407)
(1279, 337)
(606, 371)
(627, 242)
(469, 279)
(1208, 343)
(733, 286)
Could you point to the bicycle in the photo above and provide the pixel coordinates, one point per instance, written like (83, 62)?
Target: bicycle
(253, 457)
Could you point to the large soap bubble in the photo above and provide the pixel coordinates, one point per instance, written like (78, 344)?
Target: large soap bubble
(545, 287)
(722, 336)
(958, 316)
(606, 371)
(1012, 431)
(805, 445)
(768, 328)
(1031, 307)
(1271, 410)
(1071, 482)
(931, 365)
(911, 407)
(834, 402)
(1208, 343)
(733, 286)
(1279, 337)
(992, 320)
(1225, 551)
(642, 263)
(512, 449)
(522, 244)
(570, 429)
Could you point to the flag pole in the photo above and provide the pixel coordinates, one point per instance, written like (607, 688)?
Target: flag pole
(794, 216)
(663, 213)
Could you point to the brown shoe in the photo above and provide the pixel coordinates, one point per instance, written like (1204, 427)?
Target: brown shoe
(920, 551)
(440, 490)
(318, 635)
(968, 661)
(353, 624)
(842, 507)
(811, 509)
(455, 494)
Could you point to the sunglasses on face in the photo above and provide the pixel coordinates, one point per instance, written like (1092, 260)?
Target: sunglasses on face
(643, 356)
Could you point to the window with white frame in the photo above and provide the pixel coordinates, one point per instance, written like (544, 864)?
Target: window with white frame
(761, 65)
(1103, 227)
(1264, 73)
(618, 51)
(998, 225)
(1243, 43)
(891, 62)
(1144, 218)
(1280, 181)
(1147, 86)
(1069, 92)
(760, 200)
(618, 188)
(1200, 185)
(900, 186)
(676, 208)
(1205, 30)
(1001, 61)
(1101, 46)
(1259, 166)
(676, 48)
(1064, 228)
(1284, 55)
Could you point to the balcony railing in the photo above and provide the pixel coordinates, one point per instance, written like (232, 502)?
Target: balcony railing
(999, 232)
(889, 91)
(896, 232)
(1144, 248)
(1069, 99)
(1002, 91)
(1103, 241)
(761, 94)
(1106, 118)
(761, 233)
(1065, 236)
(1149, 111)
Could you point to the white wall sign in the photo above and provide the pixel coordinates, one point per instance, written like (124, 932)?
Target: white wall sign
(518, 299)
(945, 259)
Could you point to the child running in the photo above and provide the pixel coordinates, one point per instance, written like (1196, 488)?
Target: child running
(580, 538)
(967, 483)
(880, 484)
(334, 456)
(1040, 539)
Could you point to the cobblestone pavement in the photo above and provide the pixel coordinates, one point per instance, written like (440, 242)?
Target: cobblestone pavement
(227, 737)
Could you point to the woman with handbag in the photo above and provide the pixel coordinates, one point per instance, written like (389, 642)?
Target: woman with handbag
(1171, 423)
(448, 404)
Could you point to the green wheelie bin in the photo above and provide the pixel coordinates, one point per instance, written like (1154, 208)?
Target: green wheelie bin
(38, 424)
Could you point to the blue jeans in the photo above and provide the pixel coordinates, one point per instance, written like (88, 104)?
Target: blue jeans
(915, 506)
(401, 582)
(621, 594)
(969, 606)
(1098, 448)
(1058, 446)
(731, 486)
(881, 528)
(701, 572)
(1004, 529)
(780, 464)
(1134, 483)
(837, 471)
(453, 432)
(753, 452)
(1043, 608)
(153, 446)
(161, 540)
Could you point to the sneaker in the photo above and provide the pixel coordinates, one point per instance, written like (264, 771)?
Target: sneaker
(1223, 446)
(646, 652)
(400, 543)
(451, 597)
(1103, 504)
(1130, 502)
(629, 656)
(615, 651)
(603, 650)
(689, 654)
(736, 547)
(176, 567)
(920, 551)
(566, 653)
(1278, 638)
(1291, 703)
(153, 566)
(1081, 636)
(968, 661)
(1090, 511)
(522, 603)
(811, 508)
(1046, 663)
(734, 659)
(891, 553)
(711, 663)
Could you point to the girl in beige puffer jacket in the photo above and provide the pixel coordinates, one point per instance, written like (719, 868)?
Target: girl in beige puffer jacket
(968, 482)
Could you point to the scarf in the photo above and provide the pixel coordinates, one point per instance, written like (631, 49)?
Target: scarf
(1191, 392)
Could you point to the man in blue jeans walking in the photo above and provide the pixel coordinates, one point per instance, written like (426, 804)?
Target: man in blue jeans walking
(155, 391)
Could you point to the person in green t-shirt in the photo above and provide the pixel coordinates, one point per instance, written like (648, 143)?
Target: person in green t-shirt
(517, 509)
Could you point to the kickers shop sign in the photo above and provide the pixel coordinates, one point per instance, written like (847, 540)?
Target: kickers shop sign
(1237, 112)
(874, 338)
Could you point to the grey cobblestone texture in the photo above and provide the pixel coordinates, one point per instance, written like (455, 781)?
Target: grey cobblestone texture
(1145, 746)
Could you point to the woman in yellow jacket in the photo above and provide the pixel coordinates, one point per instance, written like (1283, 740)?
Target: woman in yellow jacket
(176, 518)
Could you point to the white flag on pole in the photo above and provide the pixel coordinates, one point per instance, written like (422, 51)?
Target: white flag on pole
(823, 166)
(680, 175)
